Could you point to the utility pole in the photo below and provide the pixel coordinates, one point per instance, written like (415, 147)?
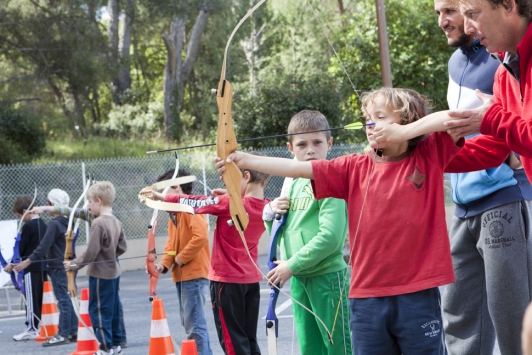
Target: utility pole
(386, 69)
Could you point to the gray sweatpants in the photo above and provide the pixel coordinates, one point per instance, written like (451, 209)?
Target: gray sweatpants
(492, 259)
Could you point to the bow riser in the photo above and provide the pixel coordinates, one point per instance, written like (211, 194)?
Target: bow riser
(70, 238)
(150, 261)
(225, 145)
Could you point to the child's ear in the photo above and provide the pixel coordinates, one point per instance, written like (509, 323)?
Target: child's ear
(246, 175)
(290, 148)
(329, 144)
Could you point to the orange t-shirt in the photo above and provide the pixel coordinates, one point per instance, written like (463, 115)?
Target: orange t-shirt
(188, 237)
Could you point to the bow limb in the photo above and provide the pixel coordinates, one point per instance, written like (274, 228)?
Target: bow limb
(272, 322)
(70, 238)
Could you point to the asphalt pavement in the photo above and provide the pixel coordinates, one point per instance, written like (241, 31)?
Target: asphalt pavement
(137, 316)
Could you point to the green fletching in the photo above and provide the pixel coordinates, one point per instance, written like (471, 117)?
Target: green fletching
(355, 125)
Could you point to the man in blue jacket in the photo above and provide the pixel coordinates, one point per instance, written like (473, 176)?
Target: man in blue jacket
(491, 222)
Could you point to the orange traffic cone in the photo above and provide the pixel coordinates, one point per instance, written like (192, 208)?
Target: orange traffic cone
(160, 340)
(49, 314)
(188, 347)
(87, 343)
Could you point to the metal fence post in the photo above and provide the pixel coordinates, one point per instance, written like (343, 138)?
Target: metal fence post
(83, 177)
(205, 187)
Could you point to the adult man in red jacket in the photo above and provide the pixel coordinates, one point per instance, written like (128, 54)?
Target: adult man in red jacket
(504, 28)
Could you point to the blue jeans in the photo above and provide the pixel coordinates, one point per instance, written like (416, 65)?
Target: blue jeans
(192, 297)
(68, 321)
(404, 324)
(104, 311)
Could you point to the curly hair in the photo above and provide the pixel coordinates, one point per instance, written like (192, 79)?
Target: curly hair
(409, 104)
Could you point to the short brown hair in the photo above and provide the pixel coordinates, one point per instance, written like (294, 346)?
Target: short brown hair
(308, 120)
(524, 7)
(104, 190)
(257, 177)
(409, 104)
(22, 203)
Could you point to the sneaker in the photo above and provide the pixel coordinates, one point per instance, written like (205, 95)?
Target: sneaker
(73, 337)
(103, 352)
(117, 349)
(56, 340)
(25, 335)
(123, 345)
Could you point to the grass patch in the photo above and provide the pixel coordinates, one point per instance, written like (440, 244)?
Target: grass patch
(98, 147)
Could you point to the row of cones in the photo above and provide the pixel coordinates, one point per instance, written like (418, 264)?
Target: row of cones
(87, 344)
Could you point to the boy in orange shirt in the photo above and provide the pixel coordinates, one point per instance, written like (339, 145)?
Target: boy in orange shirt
(187, 253)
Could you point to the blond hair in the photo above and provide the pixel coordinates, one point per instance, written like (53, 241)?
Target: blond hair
(408, 104)
(308, 120)
(104, 190)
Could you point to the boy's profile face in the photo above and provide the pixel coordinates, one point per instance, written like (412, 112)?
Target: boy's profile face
(310, 146)
(94, 206)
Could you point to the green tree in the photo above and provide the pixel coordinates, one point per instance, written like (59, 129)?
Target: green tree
(269, 112)
(418, 50)
(22, 138)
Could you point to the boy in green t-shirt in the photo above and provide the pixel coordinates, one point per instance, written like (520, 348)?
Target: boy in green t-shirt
(311, 243)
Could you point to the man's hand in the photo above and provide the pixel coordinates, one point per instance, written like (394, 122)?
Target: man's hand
(470, 120)
(386, 135)
(280, 205)
(280, 274)
(22, 265)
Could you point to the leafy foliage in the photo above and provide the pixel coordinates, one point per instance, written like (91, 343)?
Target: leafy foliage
(21, 136)
(418, 50)
(269, 112)
(54, 60)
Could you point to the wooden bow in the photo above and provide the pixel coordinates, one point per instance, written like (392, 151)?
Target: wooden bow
(226, 144)
(70, 247)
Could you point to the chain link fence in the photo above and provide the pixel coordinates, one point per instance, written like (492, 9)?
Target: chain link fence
(129, 175)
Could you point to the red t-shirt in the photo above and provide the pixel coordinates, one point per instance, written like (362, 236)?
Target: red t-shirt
(402, 244)
(229, 260)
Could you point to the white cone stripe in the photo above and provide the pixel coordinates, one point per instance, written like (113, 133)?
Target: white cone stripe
(159, 329)
(84, 307)
(50, 319)
(48, 298)
(85, 334)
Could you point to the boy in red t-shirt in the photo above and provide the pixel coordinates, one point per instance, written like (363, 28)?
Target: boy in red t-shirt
(234, 278)
(399, 255)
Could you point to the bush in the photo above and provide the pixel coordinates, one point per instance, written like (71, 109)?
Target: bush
(133, 121)
(269, 112)
(22, 138)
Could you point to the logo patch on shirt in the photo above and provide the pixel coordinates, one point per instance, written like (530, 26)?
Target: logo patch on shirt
(417, 179)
